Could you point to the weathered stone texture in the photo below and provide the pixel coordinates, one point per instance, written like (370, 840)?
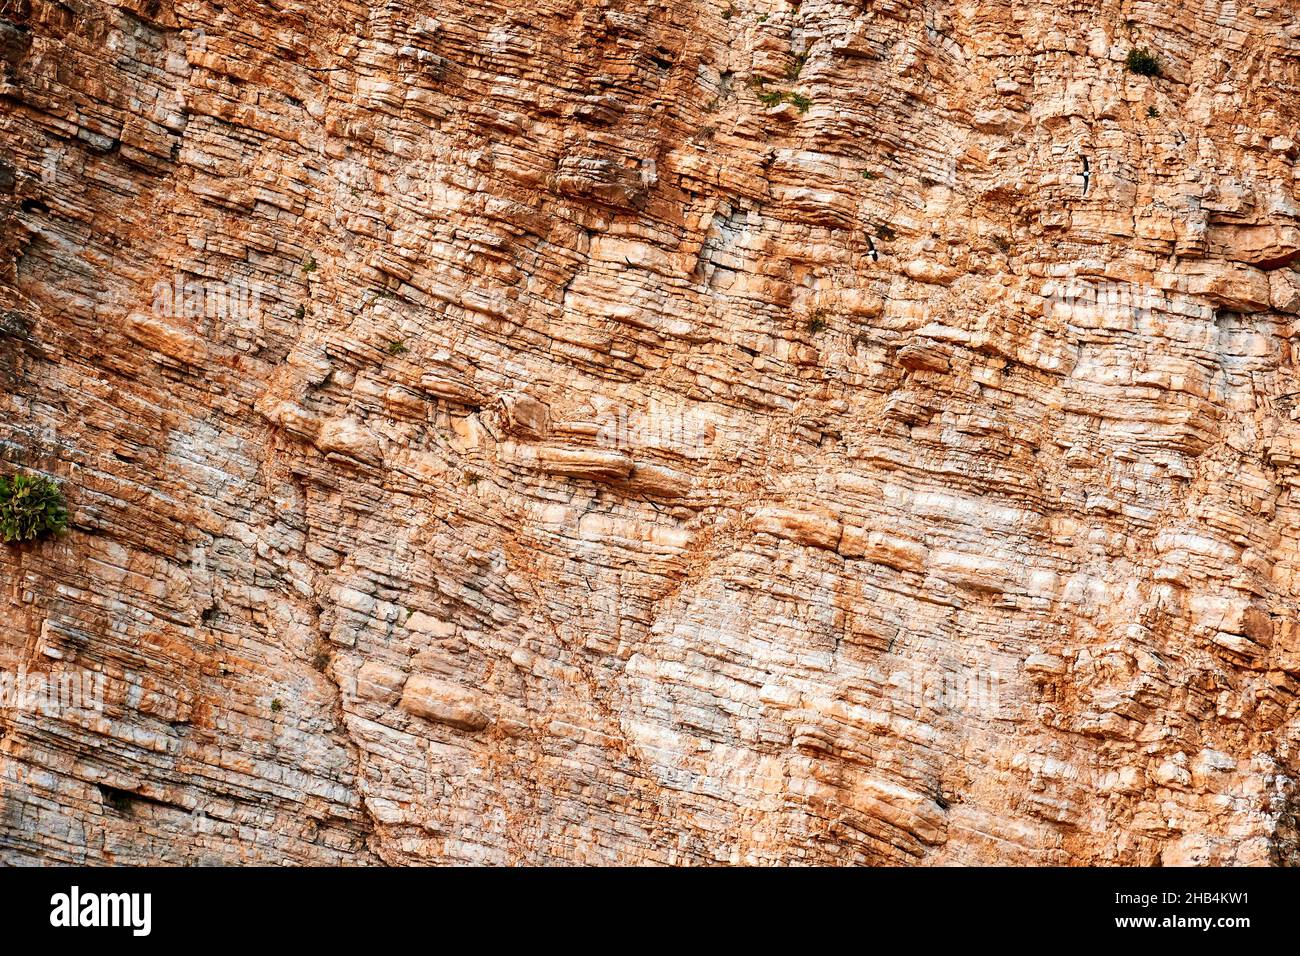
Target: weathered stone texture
(629, 432)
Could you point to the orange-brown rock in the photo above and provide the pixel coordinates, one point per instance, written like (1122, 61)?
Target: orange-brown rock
(677, 433)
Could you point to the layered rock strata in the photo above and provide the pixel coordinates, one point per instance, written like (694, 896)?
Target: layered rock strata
(684, 432)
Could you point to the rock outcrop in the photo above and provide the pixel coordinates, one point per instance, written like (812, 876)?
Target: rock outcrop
(627, 432)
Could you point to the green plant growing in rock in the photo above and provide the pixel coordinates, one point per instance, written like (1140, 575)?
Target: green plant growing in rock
(31, 507)
(276, 706)
(816, 324)
(309, 264)
(1143, 62)
(771, 98)
(1152, 112)
(397, 347)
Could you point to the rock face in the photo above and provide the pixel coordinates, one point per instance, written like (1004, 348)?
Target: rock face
(676, 432)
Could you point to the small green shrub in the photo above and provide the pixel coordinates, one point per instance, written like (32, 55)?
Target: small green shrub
(31, 507)
(1152, 112)
(309, 266)
(1143, 62)
(397, 347)
(770, 98)
(816, 324)
(276, 706)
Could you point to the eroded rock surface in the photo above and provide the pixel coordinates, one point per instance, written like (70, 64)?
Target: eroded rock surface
(627, 432)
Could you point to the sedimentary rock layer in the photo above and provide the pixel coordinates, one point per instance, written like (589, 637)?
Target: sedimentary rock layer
(678, 432)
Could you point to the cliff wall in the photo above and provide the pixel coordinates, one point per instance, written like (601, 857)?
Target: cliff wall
(679, 432)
